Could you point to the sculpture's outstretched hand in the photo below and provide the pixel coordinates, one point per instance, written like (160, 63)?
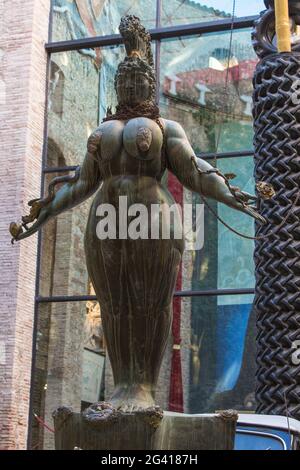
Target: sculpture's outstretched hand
(199, 176)
(21, 231)
(240, 201)
(41, 209)
(77, 189)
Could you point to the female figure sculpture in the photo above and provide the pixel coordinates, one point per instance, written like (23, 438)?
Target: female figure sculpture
(134, 279)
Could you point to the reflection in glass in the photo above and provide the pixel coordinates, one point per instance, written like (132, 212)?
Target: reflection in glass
(261, 438)
(81, 90)
(68, 370)
(194, 72)
(223, 260)
(222, 366)
(81, 93)
(75, 19)
(63, 265)
(235, 254)
(208, 89)
(198, 11)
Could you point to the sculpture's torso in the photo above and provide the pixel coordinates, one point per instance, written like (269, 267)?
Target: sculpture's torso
(132, 162)
(131, 148)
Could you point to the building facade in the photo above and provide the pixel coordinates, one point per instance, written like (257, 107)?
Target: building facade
(52, 350)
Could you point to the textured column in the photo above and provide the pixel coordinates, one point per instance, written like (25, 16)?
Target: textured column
(277, 254)
(23, 33)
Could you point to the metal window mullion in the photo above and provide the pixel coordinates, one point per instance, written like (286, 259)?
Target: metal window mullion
(158, 13)
(160, 33)
(38, 263)
(204, 293)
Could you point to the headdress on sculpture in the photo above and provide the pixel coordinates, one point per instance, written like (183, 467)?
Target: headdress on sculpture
(139, 54)
(136, 39)
(139, 60)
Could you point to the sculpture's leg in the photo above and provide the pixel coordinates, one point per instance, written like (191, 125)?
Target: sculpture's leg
(134, 281)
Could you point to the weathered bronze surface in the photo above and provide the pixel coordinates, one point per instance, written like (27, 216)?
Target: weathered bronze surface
(144, 430)
(134, 280)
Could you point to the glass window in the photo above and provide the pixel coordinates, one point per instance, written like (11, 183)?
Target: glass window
(70, 362)
(76, 19)
(209, 89)
(215, 257)
(222, 371)
(261, 439)
(235, 253)
(80, 92)
(63, 265)
(205, 84)
(197, 11)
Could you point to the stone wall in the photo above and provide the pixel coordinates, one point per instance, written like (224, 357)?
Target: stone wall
(24, 31)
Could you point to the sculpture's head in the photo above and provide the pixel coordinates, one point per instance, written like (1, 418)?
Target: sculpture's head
(135, 80)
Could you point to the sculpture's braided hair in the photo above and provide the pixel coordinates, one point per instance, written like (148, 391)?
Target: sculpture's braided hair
(139, 58)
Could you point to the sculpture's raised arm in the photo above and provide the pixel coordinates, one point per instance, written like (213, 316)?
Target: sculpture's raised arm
(78, 188)
(199, 176)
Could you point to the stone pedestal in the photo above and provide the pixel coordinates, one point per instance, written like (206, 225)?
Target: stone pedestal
(106, 429)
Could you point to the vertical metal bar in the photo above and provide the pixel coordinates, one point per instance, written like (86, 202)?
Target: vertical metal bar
(38, 263)
(283, 25)
(157, 70)
(51, 21)
(157, 50)
(99, 95)
(158, 13)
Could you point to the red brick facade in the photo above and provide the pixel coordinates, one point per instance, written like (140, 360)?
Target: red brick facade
(24, 31)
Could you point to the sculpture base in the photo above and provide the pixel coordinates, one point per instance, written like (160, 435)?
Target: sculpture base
(103, 428)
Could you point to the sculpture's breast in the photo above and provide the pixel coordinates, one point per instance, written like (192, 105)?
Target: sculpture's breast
(111, 140)
(143, 139)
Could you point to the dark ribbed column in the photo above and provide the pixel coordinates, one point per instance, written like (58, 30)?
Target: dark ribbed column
(277, 255)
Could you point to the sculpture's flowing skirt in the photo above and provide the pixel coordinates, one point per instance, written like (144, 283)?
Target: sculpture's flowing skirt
(134, 281)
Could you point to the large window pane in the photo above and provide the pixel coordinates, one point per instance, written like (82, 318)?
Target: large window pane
(235, 253)
(218, 258)
(197, 11)
(75, 19)
(222, 361)
(69, 367)
(63, 264)
(208, 89)
(81, 90)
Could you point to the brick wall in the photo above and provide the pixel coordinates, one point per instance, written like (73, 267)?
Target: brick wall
(23, 32)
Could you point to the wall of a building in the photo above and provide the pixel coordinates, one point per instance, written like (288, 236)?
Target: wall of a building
(24, 31)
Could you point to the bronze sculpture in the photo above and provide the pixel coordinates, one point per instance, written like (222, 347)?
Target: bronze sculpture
(134, 279)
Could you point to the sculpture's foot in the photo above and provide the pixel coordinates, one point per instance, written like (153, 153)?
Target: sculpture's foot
(100, 414)
(132, 398)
